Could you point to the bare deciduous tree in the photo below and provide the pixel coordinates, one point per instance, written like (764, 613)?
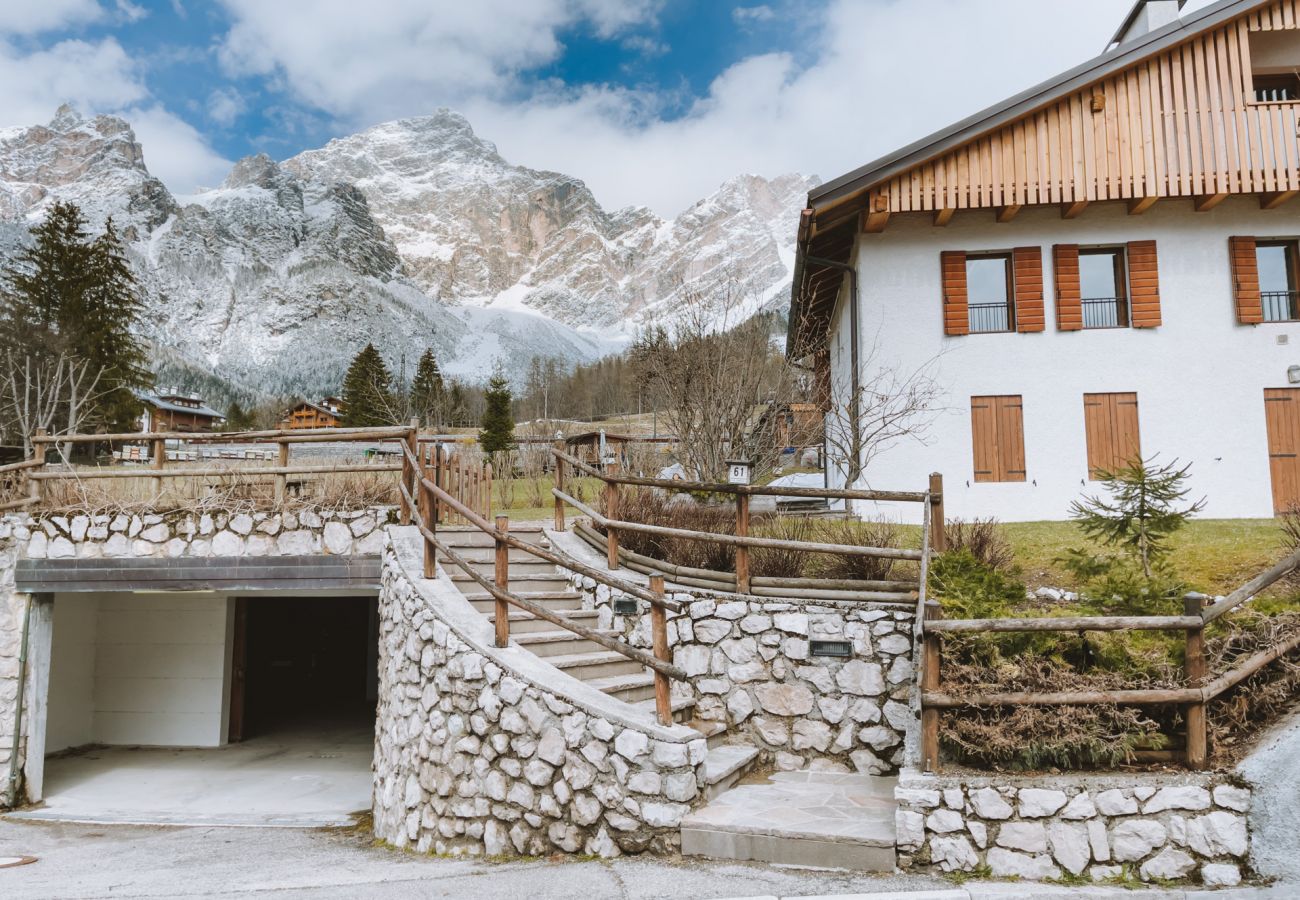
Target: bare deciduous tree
(55, 393)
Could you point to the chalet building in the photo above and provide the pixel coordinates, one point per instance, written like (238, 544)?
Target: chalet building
(306, 414)
(177, 412)
(1103, 266)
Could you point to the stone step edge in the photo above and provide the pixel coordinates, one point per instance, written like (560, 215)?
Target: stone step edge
(521, 616)
(693, 824)
(529, 595)
(733, 758)
(550, 637)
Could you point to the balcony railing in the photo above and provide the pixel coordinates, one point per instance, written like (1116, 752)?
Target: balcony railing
(1105, 312)
(989, 317)
(1280, 306)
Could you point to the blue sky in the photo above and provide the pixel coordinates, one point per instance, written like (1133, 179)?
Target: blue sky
(651, 101)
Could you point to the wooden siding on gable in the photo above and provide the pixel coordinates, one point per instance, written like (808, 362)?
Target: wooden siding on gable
(1181, 124)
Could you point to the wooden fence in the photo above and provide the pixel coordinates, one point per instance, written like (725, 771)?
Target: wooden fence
(461, 475)
(1193, 698)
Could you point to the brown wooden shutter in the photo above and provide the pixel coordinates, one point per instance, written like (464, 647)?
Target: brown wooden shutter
(998, 438)
(1282, 421)
(1069, 292)
(1143, 284)
(956, 315)
(1028, 277)
(1110, 424)
(1245, 280)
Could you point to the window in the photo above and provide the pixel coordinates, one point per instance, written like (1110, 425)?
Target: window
(1277, 88)
(1278, 262)
(1110, 423)
(998, 438)
(989, 298)
(1103, 288)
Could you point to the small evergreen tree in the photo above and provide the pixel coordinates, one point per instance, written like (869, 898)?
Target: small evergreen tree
(238, 418)
(368, 391)
(1143, 509)
(457, 405)
(498, 424)
(427, 392)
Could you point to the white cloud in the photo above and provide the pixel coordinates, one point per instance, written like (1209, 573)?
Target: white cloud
(174, 151)
(747, 14)
(32, 16)
(225, 105)
(131, 12)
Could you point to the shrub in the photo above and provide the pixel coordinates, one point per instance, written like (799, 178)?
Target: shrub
(774, 563)
(983, 538)
(868, 533)
(971, 589)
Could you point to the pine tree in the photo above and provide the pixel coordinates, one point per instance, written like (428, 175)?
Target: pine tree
(69, 295)
(457, 405)
(238, 418)
(498, 425)
(427, 392)
(368, 391)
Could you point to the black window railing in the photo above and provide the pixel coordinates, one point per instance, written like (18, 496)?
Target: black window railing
(989, 317)
(1280, 306)
(1105, 312)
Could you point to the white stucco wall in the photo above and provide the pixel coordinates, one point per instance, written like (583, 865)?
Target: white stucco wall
(1199, 377)
(147, 669)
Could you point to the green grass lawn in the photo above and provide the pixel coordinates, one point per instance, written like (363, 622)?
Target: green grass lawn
(1211, 555)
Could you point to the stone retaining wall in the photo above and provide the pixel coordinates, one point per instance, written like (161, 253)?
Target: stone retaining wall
(482, 750)
(749, 665)
(1145, 828)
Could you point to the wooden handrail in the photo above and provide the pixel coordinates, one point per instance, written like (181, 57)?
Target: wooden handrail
(210, 472)
(1252, 587)
(752, 490)
(735, 540)
(292, 435)
(1064, 623)
(23, 464)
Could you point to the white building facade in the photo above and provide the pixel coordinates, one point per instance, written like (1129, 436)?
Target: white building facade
(1071, 323)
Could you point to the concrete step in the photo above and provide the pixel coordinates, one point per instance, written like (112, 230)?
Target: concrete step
(528, 592)
(592, 666)
(527, 623)
(715, 732)
(536, 581)
(488, 555)
(628, 688)
(725, 765)
(683, 707)
(520, 568)
(820, 819)
(486, 604)
(558, 643)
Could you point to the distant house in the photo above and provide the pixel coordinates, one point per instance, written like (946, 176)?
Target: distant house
(793, 426)
(306, 414)
(173, 411)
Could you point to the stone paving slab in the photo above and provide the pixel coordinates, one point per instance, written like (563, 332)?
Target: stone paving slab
(818, 806)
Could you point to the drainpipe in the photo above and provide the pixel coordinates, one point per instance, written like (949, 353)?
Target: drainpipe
(12, 800)
(855, 382)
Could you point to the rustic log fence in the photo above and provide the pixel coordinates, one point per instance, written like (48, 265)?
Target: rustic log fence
(743, 581)
(1193, 698)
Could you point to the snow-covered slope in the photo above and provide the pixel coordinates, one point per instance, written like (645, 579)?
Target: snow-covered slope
(412, 234)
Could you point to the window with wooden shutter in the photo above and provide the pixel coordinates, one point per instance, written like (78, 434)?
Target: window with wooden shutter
(998, 438)
(1069, 306)
(1144, 284)
(1277, 265)
(1029, 288)
(955, 315)
(1245, 280)
(1110, 423)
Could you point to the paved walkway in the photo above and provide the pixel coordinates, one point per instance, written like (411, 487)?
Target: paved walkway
(78, 862)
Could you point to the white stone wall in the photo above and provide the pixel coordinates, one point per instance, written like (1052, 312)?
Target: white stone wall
(481, 750)
(1200, 376)
(1146, 828)
(748, 665)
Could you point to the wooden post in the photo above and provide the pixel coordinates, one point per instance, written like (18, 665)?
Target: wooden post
(281, 480)
(659, 639)
(1194, 666)
(611, 534)
(38, 454)
(439, 481)
(424, 497)
(409, 471)
(930, 662)
(559, 483)
(938, 538)
(487, 489)
(159, 461)
(503, 582)
(742, 553)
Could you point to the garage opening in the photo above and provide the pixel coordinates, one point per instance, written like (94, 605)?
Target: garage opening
(203, 708)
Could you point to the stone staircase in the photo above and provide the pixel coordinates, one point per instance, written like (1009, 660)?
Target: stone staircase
(819, 819)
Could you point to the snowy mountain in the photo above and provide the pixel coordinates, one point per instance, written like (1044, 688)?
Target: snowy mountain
(411, 234)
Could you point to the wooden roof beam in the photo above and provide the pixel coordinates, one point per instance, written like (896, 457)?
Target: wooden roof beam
(1007, 213)
(1207, 202)
(1073, 209)
(875, 218)
(943, 216)
(1275, 199)
(1138, 205)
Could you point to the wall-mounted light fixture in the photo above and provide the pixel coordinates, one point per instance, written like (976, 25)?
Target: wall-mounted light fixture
(1293, 374)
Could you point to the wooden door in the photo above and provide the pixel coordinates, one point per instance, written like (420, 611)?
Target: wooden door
(238, 672)
(1110, 423)
(1282, 419)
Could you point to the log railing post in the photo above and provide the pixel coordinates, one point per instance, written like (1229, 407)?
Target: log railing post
(938, 539)
(659, 640)
(611, 534)
(409, 471)
(930, 662)
(38, 454)
(1194, 667)
(502, 581)
(425, 499)
(281, 479)
(440, 479)
(159, 461)
(485, 488)
(742, 553)
(559, 483)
